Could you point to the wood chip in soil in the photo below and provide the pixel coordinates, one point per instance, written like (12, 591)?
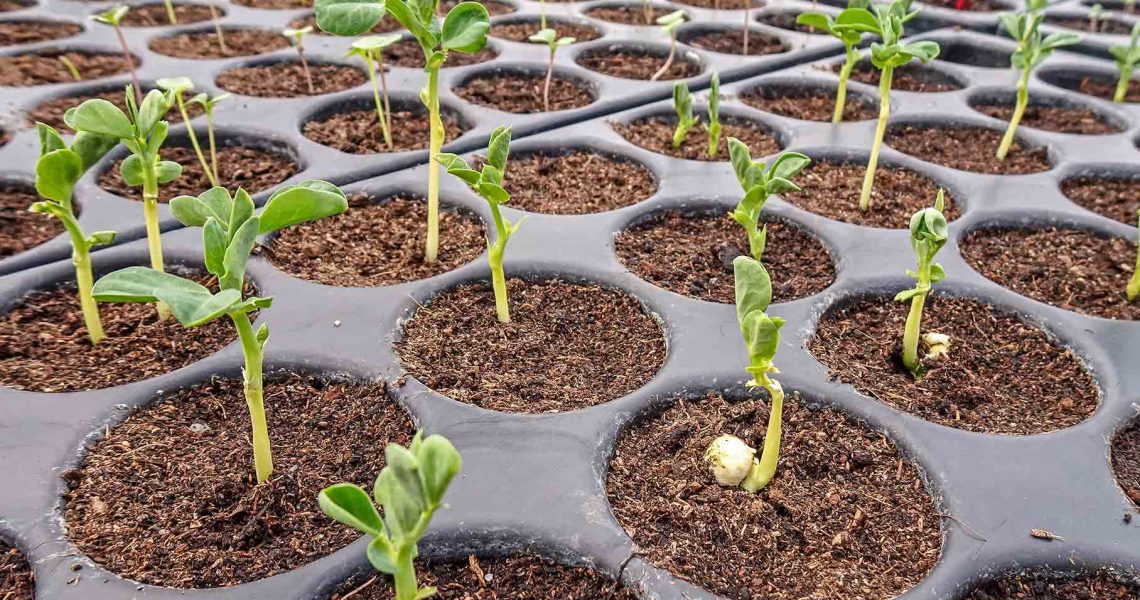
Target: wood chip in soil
(44, 67)
(275, 4)
(169, 497)
(44, 345)
(910, 78)
(1114, 196)
(656, 134)
(407, 53)
(287, 80)
(376, 243)
(627, 14)
(16, 580)
(1060, 119)
(722, 4)
(357, 131)
(785, 20)
(568, 346)
(691, 254)
(731, 41)
(832, 189)
(51, 111)
(808, 103)
(521, 93)
(812, 533)
(1072, 269)
(1082, 24)
(521, 30)
(1105, 87)
(204, 44)
(1126, 461)
(508, 578)
(576, 183)
(154, 15)
(1002, 375)
(29, 32)
(967, 149)
(1102, 585)
(634, 64)
(20, 228)
(253, 169)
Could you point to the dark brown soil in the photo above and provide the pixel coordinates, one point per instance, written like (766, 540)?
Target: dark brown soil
(1069, 268)
(656, 134)
(731, 41)
(275, 4)
(808, 103)
(1002, 375)
(512, 578)
(238, 166)
(634, 64)
(785, 20)
(358, 131)
(1114, 196)
(169, 498)
(723, 4)
(517, 92)
(627, 14)
(52, 111)
(407, 53)
(154, 15)
(970, 5)
(968, 149)
(691, 254)
(376, 243)
(30, 32)
(1103, 87)
(44, 345)
(1030, 586)
(909, 78)
(1126, 461)
(10, 5)
(1104, 25)
(1061, 119)
(44, 67)
(204, 44)
(521, 30)
(287, 80)
(568, 346)
(576, 183)
(21, 229)
(846, 516)
(16, 581)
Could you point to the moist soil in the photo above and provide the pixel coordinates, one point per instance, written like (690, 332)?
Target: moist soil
(632, 64)
(16, 581)
(520, 31)
(1061, 119)
(568, 346)
(52, 111)
(358, 131)
(44, 67)
(1109, 26)
(627, 14)
(832, 189)
(691, 254)
(969, 5)
(731, 41)
(154, 15)
(785, 20)
(576, 183)
(656, 134)
(1002, 375)
(723, 4)
(910, 78)
(808, 103)
(521, 93)
(275, 4)
(204, 44)
(1032, 586)
(1072, 269)
(30, 32)
(407, 53)
(375, 243)
(254, 169)
(287, 80)
(846, 516)
(20, 228)
(169, 496)
(967, 149)
(1115, 197)
(1126, 461)
(44, 345)
(10, 5)
(1105, 87)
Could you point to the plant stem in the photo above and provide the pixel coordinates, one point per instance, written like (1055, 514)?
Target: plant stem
(436, 124)
(71, 68)
(380, 111)
(880, 131)
(81, 259)
(406, 586)
(213, 144)
(194, 142)
(387, 102)
(841, 92)
(130, 60)
(1018, 112)
(170, 14)
(218, 28)
(747, 20)
(1134, 284)
(542, 14)
(254, 396)
(495, 260)
(546, 86)
(668, 61)
(648, 10)
(305, 67)
(911, 333)
(762, 472)
(1122, 85)
(153, 234)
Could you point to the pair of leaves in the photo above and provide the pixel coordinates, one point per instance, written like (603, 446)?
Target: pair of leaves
(670, 22)
(897, 55)
(487, 182)
(929, 232)
(1126, 57)
(1036, 49)
(464, 28)
(754, 175)
(60, 166)
(190, 302)
(848, 26)
(112, 16)
(760, 331)
(550, 37)
(683, 106)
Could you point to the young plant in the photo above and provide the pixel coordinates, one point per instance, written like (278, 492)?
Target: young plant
(218, 27)
(1126, 58)
(208, 105)
(928, 234)
(760, 182)
(70, 66)
(171, 14)
(175, 87)
(552, 41)
(669, 24)
(731, 461)
(410, 488)
(488, 183)
(1133, 288)
(58, 169)
(683, 106)
(464, 29)
(371, 50)
(847, 27)
(297, 36)
(1096, 13)
(714, 127)
(647, 10)
(229, 232)
(114, 17)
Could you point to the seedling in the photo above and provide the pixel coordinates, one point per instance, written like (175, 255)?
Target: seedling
(297, 36)
(1096, 13)
(464, 29)
(488, 183)
(175, 87)
(371, 50)
(760, 182)
(410, 488)
(683, 106)
(1133, 288)
(928, 234)
(114, 17)
(1126, 58)
(58, 169)
(70, 66)
(848, 27)
(218, 27)
(669, 24)
(208, 104)
(647, 9)
(229, 231)
(552, 41)
(171, 14)
(714, 127)
(732, 461)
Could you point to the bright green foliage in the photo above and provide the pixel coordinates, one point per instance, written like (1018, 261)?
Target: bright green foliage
(112, 16)
(928, 234)
(371, 50)
(683, 106)
(714, 127)
(175, 87)
(669, 24)
(410, 489)
(848, 27)
(553, 42)
(297, 36)
(1133, 288)
(1126, 58)
(208, 105)
(760, 182)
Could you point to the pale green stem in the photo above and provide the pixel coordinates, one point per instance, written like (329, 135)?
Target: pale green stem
(668, 61)
(542, 14)
(880, 131)
(254, 395)
(546, 85)
(762, 472)
(81, 259)
(913, 328)
(406, 586)
(305, 66)
(130, 62)
(213, 144)
(170, 14)
(153, 233)
(380, 112)
(1018, 112)
(841, 91)
(194, 142)
(495, 260)
(387, 102)
(218, 28)
(436, 124)
(1122, 85)
(747, 21)
(1134, 284)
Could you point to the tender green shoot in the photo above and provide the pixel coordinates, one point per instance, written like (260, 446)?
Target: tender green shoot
(371, 50)
(714, 126)
(229, 231)
(171, 14)
(215, 17)
(760, 182)
(1126, 58)
(1096, 13)
(669, 24)
(1133, 288)
(297, 36)
(208, 105)
(175, 87)
(848, 27)
(70, 66)
(928, 234)
(488, 183)
(464, 29)
(114, 17)
(683, 106)
(553, 42)
(410, 488)
(58, 169)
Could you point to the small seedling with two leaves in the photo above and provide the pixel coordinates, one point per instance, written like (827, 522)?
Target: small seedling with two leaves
(176, 87)
(297, 37)
(928, 234)
(553, 42)
(371, 50)
(686, 120)
(759, 183)
(1133, 288)
(114, 17)
(1095, 18)
(669, 24)
(848, 27)
(1126, 58)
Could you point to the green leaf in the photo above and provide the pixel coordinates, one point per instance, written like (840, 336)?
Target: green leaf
(499, 148)
(99, 116)
(175, 85)
(50, 140)
(1011, 22)
(857, 19)
(439, 464)
(400, 490)
(349, 504)
(91, 147)
(761, 335)
(789, 164)
(380, 553)
(262, 334)
(131, 170)
(56, 175)
(937, 273)
(924, 51)
(741, 159)
(818, 21)
(237, 254)
(753, 286)
(1060, 39)
(101, 238)
(214, 242)
(241, 210)
(348, 17)
(544, 36)
(154, 106)
(190, 302)
(189, 211)
(411, 21)
(376, 42)
(217, 200)
(157, 137)
(167, 171)
(907, 295)
(465, 27)
(779, 185)
(494, 193)
(307, 201)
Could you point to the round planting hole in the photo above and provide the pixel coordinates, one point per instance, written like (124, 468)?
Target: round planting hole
(519, 29)
(287, 79)
(1104, 25)
(205, 44)
(967, 148)
(1116, 196)
(628, 14)
(655, 133)
(631, 62)
(154, 15)
(576, 182)
(407, 53)
(785, 20)
(914, 77)
(974, 55)
(13, 33)
(46, 67)
(731, 41)
(51, 111)
(16, 579)
(521, 92)
(1126, 462)
(354, 126)
(1099, 84)
(1102, 585)
(1046, 114)
(808, 101)
(20, 228)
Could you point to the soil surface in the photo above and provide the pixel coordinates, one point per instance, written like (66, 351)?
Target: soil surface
(357, 131)
(1082, 24)
(44, 67)
(407, 53)
(1069, 268)
(275, 4)
(154, 15)
(968, 149)
(287, 80)
(51, 111)
(568, 346)
(1126, 461)
(627, 14)
(723, 4)
(1061, 119)
(520, 93)
(634, 64)
(494, 7)
(169, 496)
(846, 517)
(731, 41)
(656, 134)
(809, 103)
(1104, 87)
(1030, 586)
(254, 169)
(785, 20)
(909, 78)
(16, 581)
(521, 30)
(832, 189)
(21, 229)
(204, 44)
(44, 345)
(970, 5)
(1002, 375)
(691, 254)
(1116, 196)
(10, 5)
(30, 32)
(576, 183)
(376, 243)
